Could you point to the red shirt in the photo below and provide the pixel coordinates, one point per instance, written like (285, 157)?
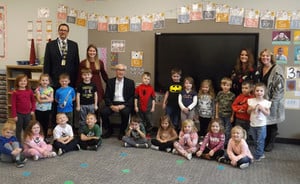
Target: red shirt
(145, 94)
(22, 101)
(240, 103)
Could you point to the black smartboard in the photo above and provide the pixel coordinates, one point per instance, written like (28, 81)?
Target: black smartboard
(199, 55)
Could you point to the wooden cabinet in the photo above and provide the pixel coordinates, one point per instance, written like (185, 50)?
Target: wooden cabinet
(12, 71)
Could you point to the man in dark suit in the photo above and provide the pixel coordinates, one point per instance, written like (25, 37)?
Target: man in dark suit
(61, 56)
(118, 97)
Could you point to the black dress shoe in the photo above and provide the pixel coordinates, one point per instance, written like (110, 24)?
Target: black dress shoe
(107, 134)
(120, 136)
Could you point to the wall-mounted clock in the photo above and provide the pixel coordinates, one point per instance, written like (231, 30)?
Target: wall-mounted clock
(43, 12)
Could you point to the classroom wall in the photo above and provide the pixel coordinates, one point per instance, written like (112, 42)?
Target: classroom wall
(19, 12)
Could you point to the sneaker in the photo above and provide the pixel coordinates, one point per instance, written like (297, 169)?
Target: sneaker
(19, 164)
(244, 165)
(35, 157)
(52, 154)
(126, 144)
(60, 152)
(154, 147)
(168, 150)
(94, 148)
(260, 158)
(223, 160)
(189, 156)
(175, 152)
(146, 145)
(78, 146)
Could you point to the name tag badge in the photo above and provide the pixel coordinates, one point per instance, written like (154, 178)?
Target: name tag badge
(63, 62)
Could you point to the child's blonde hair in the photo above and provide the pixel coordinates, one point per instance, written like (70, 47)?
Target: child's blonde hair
(189, 122)
(19, 78)
(9, 125)
(226, 80)
(61, 114)
(211, 90)
(44, 75)
(239, 128)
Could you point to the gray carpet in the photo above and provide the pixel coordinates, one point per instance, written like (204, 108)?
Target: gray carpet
(115, 164)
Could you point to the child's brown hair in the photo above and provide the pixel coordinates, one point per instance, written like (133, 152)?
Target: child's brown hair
(176, 71)
(216, 120)
(28, 130)
(226, 80)
(64, 76)
(163, 118)
(19, 78)
(86, 70)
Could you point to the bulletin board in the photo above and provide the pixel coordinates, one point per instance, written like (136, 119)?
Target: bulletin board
(2, 30)
(292, 93)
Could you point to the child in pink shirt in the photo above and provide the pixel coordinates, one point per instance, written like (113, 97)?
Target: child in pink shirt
(34, 144)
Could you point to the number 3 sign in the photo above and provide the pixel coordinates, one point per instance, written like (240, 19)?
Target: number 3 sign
(293, 72)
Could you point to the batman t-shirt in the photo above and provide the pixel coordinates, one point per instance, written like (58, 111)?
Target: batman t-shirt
(174, 89)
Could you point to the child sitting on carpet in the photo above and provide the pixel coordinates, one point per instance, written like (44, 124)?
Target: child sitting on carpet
(166, 135)
(135, 134)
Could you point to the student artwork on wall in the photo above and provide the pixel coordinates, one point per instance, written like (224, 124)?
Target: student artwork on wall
(183, 15)
(297, 55)
(297, 37)
(158, 21)
(102, 55)
(123, 24)
(147, 23)
(137, 58)
(222, 13)
(281, 54)
(81, 18)
(72, 14)
(196, 11)
(292, 92)
(114, 58)
(2, 31)
(102, 23)
(61, 12)
(118, 46)
(236, 16)
(251, 18)
(209, 11)
(92, 21)
(135, 24)
(281, 37)
(136, 70)
(267, 19)
(283, 19)
(112, 24)
(295, 19)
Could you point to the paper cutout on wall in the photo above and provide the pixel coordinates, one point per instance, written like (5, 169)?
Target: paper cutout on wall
(102, 55)
(72, 14)
(183, 15)
(222, 13)
(283, 19)
(251, 18)
(281, 54)
(112, 24)
(236, 16)
(267, 19)
(114, 58)
(118, 46)
(158, 20)
(296, 37)
(137, 58)
(297, 55)
(281, 37)
(61, 12)
(123, 24)
(295, 20)
(135, 24)
(209, 11)
(196, 11)
(147, 23)
(81, 18)
(92, 21)
(102, 23)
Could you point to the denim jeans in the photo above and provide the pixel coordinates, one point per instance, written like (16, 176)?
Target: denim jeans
(258, 134)
(174, 113)
(227, 127)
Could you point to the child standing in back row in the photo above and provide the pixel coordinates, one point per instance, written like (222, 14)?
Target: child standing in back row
(206, 105)
(86, 97)
(166, 135)
(22, 104)
(170, 101)
(259, 108)
(187, 99)
(144, 101)
(224, 100)
(240, 106)
(44, 98)
(64, 96)
(188, 139)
